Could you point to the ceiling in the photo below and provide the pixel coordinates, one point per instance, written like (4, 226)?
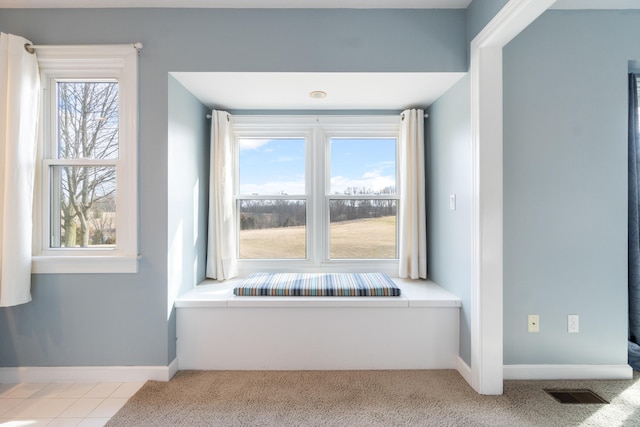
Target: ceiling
(345, 91)
(300, 4)
(242, 4)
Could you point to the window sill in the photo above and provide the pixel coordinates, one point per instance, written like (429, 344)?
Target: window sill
(414, 293)
(83, 264)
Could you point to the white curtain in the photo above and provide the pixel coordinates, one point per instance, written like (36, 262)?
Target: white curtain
(413, 219)
(20, 87)
(221, 249)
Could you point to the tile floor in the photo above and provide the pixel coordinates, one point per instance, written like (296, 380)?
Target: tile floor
(62, 404)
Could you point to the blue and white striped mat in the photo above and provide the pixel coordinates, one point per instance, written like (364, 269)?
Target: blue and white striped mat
(318, 285)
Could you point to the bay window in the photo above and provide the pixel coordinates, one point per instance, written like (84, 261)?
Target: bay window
(316, 191)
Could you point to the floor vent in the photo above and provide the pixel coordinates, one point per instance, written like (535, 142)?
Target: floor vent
(575, 396)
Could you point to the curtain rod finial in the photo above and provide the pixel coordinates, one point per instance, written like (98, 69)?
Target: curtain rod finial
(138, 46)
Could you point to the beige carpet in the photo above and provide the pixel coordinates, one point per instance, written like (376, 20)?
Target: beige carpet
(367, 398)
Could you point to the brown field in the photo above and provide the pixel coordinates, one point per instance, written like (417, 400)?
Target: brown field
(371, 238)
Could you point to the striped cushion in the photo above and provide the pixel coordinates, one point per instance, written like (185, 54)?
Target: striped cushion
(318, 285)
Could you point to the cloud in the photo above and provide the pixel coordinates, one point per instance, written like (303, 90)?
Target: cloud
(339, 184)
(377, 169)
(252, 143)
(369, 181)
(371, 175)
(290, 187)
(287, 159)
(384, 165)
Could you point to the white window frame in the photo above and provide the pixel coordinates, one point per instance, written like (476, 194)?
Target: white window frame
(89, 62)
(318, 131)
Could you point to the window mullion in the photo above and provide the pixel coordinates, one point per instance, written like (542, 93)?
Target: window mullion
(314, 234)
(364, 196)
(269, 197)
(80, 162)
(55, 237)
(324, 147)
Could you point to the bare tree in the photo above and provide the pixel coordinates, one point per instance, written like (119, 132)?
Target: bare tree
(103, 222)
(87, 129)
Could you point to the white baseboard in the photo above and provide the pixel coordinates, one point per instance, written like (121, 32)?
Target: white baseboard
(464, 370)
(39, 374)
(567, 372)
(173, 369)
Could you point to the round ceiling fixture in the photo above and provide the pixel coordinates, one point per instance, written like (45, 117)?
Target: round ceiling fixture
(318, 94)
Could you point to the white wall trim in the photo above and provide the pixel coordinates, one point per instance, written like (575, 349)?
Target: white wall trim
(463, 369)
(568, 372)
(486, 287)
(86, 62)
(486, 177)
(514, 17)
(38, 374)
(173, 369)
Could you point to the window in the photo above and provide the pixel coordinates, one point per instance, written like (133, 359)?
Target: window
(362, 198)
(272, 200)
(316, 191)
(86, 178)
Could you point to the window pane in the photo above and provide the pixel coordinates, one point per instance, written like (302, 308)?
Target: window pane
(272, 166)
(87, 120)
(272, 229)
(363, 166)
(83, 206)
(363, 229)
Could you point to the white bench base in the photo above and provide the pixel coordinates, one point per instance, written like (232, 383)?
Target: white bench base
(219, 331)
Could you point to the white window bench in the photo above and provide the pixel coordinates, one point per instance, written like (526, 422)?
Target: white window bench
(218, 330)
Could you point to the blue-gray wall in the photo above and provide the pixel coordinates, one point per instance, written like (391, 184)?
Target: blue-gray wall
(565, 186)
(448, 130)
(188, 194)
(564, 160)
(106, 319)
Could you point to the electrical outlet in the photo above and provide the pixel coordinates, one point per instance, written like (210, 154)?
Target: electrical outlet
(573, 323)
(534, 323)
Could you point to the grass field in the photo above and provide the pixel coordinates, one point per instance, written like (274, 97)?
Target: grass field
(371, 238)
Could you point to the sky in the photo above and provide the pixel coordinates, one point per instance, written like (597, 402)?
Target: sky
(277, 166)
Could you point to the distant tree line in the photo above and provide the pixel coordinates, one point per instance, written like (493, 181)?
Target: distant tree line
(259, 214)
(352, 209)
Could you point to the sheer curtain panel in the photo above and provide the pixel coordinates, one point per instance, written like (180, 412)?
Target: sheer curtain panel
(221, 247)
(20, 83)
(413, 219)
